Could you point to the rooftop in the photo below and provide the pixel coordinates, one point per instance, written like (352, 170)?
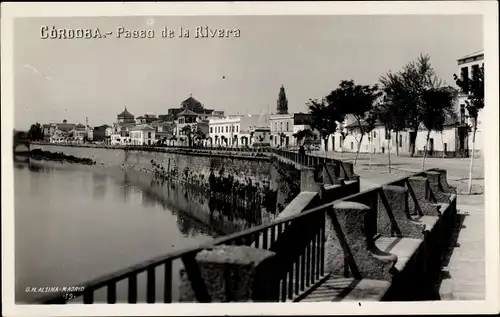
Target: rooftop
(481, 52)
(187, 112)
(125, 114)
(142, 127)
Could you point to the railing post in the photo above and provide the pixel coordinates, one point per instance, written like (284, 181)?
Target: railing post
(307, 180)
(251, 271)
(350, 248)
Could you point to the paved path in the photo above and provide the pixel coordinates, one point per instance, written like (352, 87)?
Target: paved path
(458, 168)
(464, 277)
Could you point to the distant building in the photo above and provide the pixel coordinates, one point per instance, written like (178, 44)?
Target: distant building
(192, 113)
(468, 65)
(284, 125)
(125, 117)
(90, 133)
(189, 106)
(281, 122)
(142, 135)
(239, 130)
(146, 119)
(102, 132)
(79, 133)
(124, 122)
(118, 139)
(51, 128)
(224, 131)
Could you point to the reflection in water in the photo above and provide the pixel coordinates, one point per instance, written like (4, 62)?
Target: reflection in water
(75, 223)
(99, 181)
(197, 211)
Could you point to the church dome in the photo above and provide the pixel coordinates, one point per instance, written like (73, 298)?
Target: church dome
(125, 115)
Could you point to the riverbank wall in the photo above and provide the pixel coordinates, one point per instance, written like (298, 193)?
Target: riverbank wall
(258, 178)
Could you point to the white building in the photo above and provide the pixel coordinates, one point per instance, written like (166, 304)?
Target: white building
(108, 132)
(118, 139)
(238, 130)
(142, 135)
(468, 65)
(282, 130)
(224, 131)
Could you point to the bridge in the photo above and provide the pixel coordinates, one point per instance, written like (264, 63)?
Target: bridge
(20, 138)
(331, 243)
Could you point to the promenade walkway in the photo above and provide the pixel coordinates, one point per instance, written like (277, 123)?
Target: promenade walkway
(464, 277)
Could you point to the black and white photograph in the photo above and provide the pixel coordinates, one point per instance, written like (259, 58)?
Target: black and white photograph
(249, 153)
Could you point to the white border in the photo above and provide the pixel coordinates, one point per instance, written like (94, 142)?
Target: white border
(489, 10)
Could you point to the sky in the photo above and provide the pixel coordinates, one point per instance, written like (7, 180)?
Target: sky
(57, 79)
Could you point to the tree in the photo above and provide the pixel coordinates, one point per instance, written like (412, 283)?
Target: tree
(371, 120)
(199, 135)
(224, 139)
(282, 136)
(394, 105)
(356, 100)
(416, 78)
(474, 88)
(438, 104)
(305, 136)
(188, 132)
(35, 132)
(324, 118)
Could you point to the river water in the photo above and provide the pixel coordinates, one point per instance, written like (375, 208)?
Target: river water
(74, 223)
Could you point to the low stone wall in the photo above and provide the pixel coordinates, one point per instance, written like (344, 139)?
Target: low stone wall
(397, 233)
(391, 238)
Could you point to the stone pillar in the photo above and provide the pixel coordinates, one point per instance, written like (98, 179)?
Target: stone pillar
(346, 170)
(307, 181)
(419, 186)
(231, 274)
(444, 182)
(329, 177)
(350, 249)
(436, 188)
(394, 218)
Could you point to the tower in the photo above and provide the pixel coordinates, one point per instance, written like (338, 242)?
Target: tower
(282, 102)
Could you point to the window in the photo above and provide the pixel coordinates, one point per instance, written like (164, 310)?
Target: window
(281, 126)
(465, 79)
(462, 113)
(232, 128)
(352, 145)
(400, 140)
(236, 128)
(276, 126)
(287, 126)
(211, 130)
(227, 128)
(445, 148)
(475, 70)
(149, 135)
